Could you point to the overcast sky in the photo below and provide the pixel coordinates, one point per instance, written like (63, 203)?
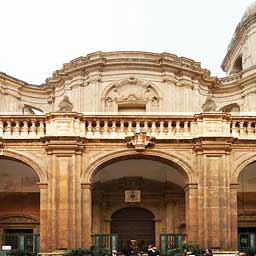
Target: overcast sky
(38, 36)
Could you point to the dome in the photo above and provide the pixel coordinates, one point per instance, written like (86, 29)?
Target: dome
(251, 9)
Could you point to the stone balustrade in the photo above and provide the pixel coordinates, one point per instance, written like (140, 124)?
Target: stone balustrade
(243, 127)
(122, 126)
(25, 127)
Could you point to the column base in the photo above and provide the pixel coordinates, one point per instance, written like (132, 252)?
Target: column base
(57, 253)
(225, 253)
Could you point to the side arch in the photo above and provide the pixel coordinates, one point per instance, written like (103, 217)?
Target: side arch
(23, 217)
(27, 160)
(239, 166)
(173, 160)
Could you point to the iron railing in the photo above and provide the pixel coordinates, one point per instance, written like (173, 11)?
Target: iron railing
(24, 242)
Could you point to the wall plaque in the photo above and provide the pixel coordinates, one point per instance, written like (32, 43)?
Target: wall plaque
(132, 196)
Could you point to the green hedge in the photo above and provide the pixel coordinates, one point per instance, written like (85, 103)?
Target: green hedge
(86, 252)
(19, 253)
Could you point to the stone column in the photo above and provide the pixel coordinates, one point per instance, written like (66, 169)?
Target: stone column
(157, 232)
(97, 222)
(191, 211)
(64, 192)
(43, 216)
(170, 216)
(233, 215)
(86, 215)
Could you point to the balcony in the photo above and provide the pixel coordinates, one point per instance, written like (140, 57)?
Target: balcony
(162, 127)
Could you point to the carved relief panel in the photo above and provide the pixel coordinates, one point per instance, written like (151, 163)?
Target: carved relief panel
(131, 95)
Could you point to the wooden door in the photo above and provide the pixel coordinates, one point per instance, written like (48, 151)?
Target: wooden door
(133, 223)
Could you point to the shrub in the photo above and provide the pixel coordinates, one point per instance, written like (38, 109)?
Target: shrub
(19, 253)
(78, 252)
(171, 252)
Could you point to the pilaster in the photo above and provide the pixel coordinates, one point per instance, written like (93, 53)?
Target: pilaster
(213, 164)
(43, 216)
(191, 202)
(86, 214)
(64, 192)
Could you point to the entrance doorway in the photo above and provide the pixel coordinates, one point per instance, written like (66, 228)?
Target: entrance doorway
(133, 224)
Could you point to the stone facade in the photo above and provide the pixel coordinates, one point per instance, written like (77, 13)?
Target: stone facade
(121, 107)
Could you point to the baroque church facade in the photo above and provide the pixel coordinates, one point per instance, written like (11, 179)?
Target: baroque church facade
(133, 143)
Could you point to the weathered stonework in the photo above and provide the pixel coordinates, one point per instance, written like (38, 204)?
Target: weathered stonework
(106, 108)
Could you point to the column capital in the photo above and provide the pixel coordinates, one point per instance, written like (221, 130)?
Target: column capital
(234, 185)
(64, 145)
(86, 186)
(190, 186)
(213, 146)
(42, 185)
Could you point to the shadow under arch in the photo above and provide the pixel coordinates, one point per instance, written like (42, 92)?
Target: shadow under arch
(239, 168)
(183, 167)
(28, 161)
(123, 209)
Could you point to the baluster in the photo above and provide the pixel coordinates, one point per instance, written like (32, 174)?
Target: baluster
(89, 132)
(16, 129)
(121, 131)
(1, 128)
(153, 129)
(113, 129)
(170, 131)
(249, 129)
(145, 128)
(105, 129)
(8, 129)
(130, 130)
(40, 129)
(234, 129)
(97, 129)
(186, 128)
(161, 129)
(32, 131)
(24, 128)
(178, 128)
(241, 129)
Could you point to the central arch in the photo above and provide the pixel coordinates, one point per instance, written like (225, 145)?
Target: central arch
(133, 224)
(158, 177)
(177, 161)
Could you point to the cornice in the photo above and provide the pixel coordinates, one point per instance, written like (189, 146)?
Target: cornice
(94, 65)
(64, 145)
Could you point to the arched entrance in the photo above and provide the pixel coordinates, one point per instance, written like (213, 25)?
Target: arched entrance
(246, 207)
(133, 224)
(159, 185)
(19, 205)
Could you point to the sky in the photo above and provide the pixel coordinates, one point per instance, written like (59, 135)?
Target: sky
(38, 36)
